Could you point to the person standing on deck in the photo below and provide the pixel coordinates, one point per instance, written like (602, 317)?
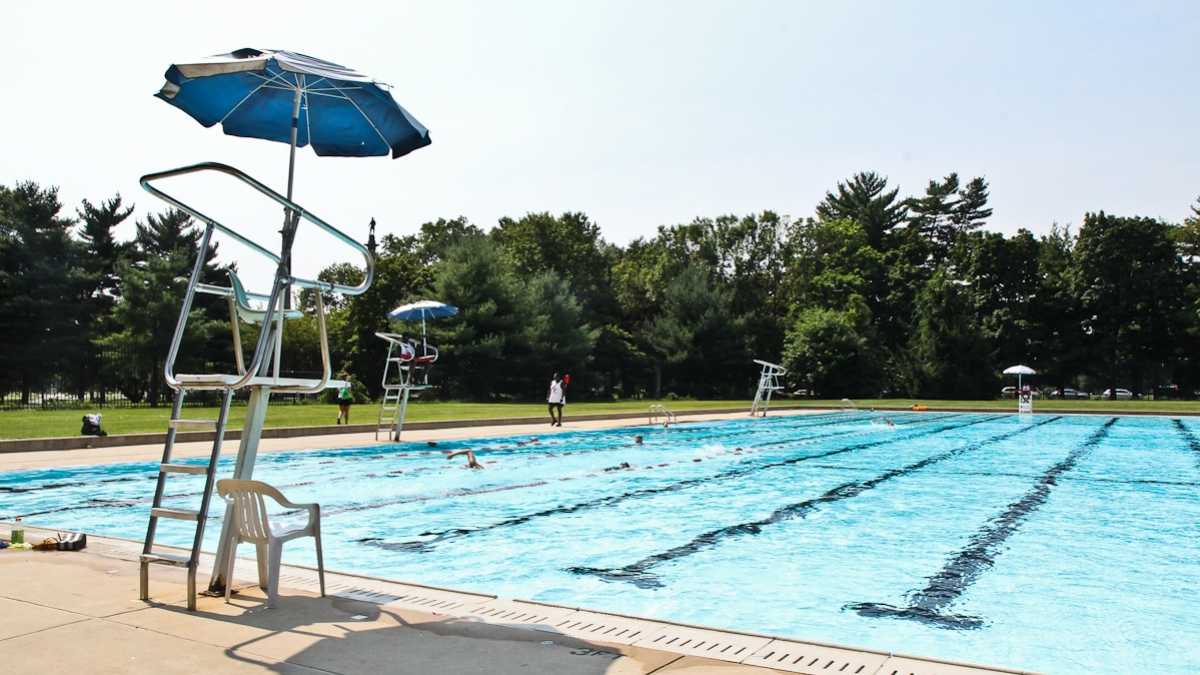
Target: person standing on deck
(555, 400)
(345, 397)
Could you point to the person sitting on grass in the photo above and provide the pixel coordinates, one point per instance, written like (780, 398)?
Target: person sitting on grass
(471, 462)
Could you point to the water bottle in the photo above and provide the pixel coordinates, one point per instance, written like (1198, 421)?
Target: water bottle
(18, 533)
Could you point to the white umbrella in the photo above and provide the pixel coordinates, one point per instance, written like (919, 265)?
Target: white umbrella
(1019, 371)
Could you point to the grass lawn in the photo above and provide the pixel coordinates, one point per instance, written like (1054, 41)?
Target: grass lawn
(1039, 405)
(43, 423)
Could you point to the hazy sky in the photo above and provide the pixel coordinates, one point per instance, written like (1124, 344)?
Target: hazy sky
(638, 113)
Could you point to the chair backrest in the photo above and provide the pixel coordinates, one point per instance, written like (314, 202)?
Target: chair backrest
(249, 507)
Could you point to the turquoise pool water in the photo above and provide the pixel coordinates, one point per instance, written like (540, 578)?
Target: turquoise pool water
(1068, 544)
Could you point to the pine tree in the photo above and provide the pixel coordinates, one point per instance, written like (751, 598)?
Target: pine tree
(865, 200)
(932, 215)
(971, 211)
(39, 287)
(102, 254)
(153, 280)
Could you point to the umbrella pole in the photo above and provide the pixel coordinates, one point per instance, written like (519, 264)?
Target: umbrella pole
(290, 217)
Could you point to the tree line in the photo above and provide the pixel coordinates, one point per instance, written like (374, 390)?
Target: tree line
(875, 294)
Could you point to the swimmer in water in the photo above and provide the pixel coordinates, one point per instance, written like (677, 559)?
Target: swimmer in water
(471, 462)
(528, 442)
(432, 444)
(889, 423)
(637, 440)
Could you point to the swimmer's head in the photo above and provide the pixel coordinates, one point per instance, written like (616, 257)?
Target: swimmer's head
(637, 439)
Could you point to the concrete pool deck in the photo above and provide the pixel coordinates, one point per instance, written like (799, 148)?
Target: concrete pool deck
(62, 612)
(79, 612)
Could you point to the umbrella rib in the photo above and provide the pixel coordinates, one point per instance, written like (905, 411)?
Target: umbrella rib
(364, 116)
(239, 103)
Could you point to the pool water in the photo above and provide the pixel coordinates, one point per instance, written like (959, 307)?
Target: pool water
(1067, 544)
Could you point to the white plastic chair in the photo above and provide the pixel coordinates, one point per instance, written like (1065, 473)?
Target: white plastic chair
(251, 525)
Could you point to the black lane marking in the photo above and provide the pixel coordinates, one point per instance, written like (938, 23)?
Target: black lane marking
(961, 570)
(639, 573)
(1189, 438)
(439, 536)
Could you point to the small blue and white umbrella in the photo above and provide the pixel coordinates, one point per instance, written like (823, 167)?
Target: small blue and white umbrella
(422, 309)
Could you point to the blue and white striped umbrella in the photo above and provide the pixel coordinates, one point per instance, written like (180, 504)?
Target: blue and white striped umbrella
(269, 94)
(422, 309)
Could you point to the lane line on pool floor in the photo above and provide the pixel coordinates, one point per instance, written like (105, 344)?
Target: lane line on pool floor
(965, 567)
(439, 536)
(1189, 438)
(639, 574)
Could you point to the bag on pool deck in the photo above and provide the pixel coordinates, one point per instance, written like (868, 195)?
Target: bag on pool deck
(91, 426)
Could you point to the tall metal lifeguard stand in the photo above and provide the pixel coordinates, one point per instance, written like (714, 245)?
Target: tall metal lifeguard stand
(403, 373)
(261, 376)
(407, 365)
(768, 383)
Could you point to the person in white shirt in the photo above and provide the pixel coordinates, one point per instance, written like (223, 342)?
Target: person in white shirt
(555, 400)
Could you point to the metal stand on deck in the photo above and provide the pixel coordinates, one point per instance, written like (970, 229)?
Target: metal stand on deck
(261, 377)
(768, 383)
(404, 371)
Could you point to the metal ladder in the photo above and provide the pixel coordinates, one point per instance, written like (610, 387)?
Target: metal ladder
(393, 408)
(659, 410)
(199, 517)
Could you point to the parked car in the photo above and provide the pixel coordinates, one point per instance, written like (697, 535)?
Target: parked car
(1011, 392)
(1068, 393)
(1122, 394)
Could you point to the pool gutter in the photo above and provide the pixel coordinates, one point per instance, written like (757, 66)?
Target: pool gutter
(738, 647)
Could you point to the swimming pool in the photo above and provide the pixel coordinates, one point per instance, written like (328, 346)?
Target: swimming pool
(1068, 544)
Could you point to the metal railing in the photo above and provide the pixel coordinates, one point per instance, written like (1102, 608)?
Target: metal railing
(284, 280)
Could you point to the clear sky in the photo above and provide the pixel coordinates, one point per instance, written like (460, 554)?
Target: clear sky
(638, 113)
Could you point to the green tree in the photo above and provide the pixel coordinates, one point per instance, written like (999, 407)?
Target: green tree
(932, 215)
(400, 277)
(829, 351)
(476, 345)
(40, 287)
(1129, 278)
(437, 237)
(153, 281)
(554, 333)
(697, 339)
(866, 200)
(99, 262)
(1060, 340)
(948, 346)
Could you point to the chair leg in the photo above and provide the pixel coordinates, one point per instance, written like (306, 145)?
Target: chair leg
(320, 562)
(261, 557)
(229, 571)
(275, 549)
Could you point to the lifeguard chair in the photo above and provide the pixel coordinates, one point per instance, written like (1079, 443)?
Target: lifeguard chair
(768, 383)
(407, 365)
(261, 376)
